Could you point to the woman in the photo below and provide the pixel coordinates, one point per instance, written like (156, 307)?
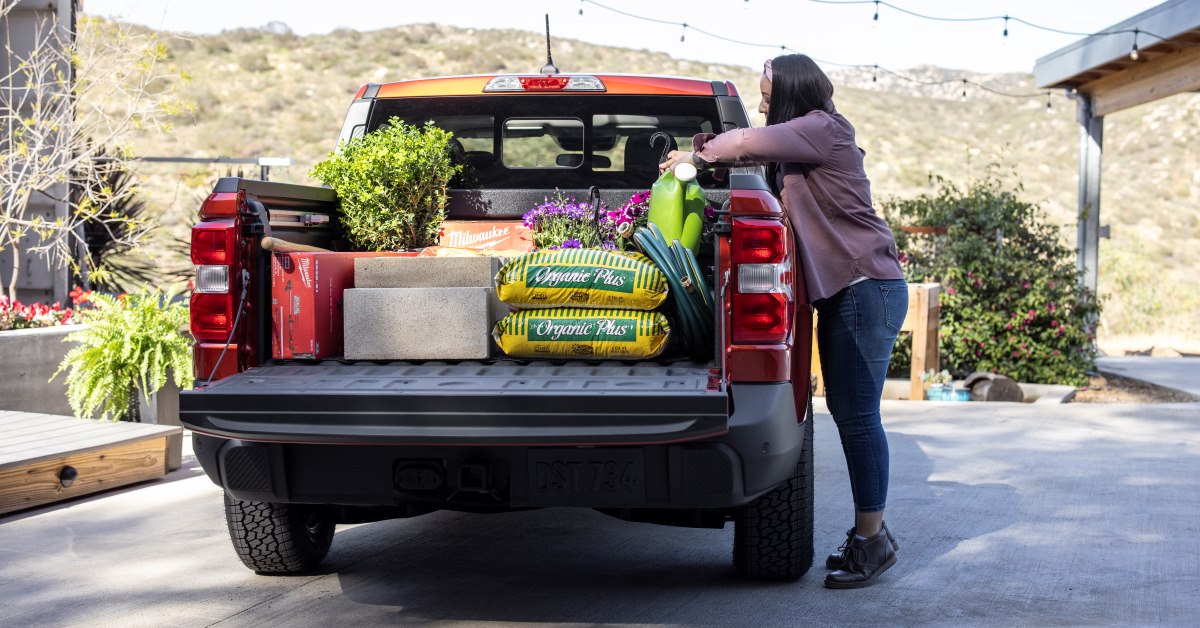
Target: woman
(852, 273)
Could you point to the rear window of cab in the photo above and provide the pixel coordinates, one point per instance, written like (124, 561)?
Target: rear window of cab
(558, 140)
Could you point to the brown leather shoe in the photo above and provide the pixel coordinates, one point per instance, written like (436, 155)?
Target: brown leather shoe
(838, 559)
(865, 560)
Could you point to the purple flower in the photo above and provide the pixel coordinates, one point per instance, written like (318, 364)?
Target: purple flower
(572, 243)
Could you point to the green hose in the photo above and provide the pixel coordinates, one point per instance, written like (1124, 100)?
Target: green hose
(691, 303)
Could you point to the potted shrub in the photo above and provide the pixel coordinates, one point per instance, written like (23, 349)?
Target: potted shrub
(131, 344)
(392, 185)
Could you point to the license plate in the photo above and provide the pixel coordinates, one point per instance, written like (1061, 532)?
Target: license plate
(586, 477)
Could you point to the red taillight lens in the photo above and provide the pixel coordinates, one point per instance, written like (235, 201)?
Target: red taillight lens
(761, 318)
(762, 293)
(543, 83)
(213, 242)
(212, 316)
(758, 241)
(221, 204)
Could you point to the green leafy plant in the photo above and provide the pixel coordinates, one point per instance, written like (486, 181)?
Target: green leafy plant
(392, 185)
(1011, 302)
(129, 345)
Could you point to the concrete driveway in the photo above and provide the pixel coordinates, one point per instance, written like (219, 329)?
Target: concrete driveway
(1007, 515)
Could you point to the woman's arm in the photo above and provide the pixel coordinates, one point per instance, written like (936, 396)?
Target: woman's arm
(808, 139)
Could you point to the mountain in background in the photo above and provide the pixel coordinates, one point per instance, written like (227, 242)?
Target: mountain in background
(270, 92)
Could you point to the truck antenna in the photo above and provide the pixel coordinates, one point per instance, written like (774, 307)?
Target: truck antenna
(549, 68)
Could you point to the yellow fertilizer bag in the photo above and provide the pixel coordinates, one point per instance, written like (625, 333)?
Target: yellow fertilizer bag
(582, 278)
(581, 333)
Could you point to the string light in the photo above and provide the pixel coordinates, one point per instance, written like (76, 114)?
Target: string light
(1133, 53)
(1006, 18)
(1006, 29)
(683, 33)
(875, 20)
(784, 49)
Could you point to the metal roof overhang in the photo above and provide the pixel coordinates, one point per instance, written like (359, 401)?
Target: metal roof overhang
(1100, 64)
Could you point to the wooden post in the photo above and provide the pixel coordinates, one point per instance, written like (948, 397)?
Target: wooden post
(922, 319)
(924, 314)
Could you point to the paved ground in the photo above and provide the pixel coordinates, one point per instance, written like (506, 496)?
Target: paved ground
(1007, 515)
(1182, 374)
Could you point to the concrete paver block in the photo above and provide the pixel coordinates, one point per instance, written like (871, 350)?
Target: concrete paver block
(425, 272)
(420, 323)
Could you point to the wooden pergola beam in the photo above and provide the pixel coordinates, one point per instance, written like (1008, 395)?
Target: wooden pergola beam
(1173, 73)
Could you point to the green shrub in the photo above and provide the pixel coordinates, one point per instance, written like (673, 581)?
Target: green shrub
(1011, 302)
(130, 344)
(392, 185)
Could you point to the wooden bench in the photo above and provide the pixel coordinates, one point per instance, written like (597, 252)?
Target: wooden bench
(921, 320)
(35, 449)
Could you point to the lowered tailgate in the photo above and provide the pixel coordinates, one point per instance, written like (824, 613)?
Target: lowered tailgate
(501, 403)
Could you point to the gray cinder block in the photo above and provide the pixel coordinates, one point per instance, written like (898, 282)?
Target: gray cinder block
(425, 272)
(420, 323)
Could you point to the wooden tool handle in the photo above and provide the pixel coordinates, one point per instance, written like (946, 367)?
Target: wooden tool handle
(275, 245)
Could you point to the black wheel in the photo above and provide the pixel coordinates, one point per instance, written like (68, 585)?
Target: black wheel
(278, 538)
(773, 535)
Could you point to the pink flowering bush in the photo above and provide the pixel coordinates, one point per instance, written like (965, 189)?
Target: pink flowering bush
(17, 315)
(1011, 302)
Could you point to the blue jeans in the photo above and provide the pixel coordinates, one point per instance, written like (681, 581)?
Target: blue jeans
(856, 329)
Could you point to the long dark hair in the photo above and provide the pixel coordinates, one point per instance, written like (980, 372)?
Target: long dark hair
(798, 86)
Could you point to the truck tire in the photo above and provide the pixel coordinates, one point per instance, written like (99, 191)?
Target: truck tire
(278, 538)
(773, 535)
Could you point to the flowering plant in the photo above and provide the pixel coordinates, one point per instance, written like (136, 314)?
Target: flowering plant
(17, 315)
(1011, 301)
(564, 223)
(618, 226)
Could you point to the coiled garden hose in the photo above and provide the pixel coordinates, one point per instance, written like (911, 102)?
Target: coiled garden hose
(690, 300)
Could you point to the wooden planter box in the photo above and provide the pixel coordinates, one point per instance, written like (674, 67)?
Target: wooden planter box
(46, 458)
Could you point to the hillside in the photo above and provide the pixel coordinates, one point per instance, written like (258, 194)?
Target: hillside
(278, 94)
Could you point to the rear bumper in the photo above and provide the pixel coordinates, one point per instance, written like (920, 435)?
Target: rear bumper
(756, 449)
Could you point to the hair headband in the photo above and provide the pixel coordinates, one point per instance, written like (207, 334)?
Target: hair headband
(767, 70)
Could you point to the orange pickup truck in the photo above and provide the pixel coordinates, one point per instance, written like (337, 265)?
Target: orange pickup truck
(299, 446)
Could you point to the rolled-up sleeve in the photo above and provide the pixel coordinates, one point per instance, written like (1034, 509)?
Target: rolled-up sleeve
(808, 139)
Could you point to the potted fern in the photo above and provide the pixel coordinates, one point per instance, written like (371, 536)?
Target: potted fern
(129, 347)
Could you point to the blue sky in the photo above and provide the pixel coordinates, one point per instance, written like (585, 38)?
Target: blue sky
(836, 33)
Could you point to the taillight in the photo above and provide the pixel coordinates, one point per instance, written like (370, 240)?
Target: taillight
(544, 83)
(213, 252)
(762, 300)
(212, 316)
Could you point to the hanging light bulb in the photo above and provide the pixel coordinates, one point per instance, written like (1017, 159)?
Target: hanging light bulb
(875, 74)
(1048, 105)
(875, 20)
(964, 92)
(683, 33)
(1133, 52)
(581, 9)
(1005, 29)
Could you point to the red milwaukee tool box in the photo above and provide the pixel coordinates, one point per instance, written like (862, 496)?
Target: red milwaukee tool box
(482, 234)
(306, 302)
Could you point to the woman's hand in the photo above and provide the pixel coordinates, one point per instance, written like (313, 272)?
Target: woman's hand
(675, 157)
